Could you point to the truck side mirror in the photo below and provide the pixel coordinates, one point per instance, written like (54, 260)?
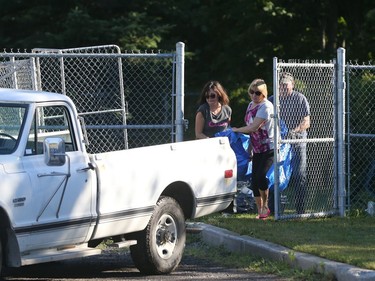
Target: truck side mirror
(54, 151)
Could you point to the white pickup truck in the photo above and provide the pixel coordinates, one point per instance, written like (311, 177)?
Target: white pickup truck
(59, 202)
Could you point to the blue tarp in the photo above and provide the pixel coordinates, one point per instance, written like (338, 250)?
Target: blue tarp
(240, 144)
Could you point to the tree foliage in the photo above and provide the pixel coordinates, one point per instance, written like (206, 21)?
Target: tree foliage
(230, 41)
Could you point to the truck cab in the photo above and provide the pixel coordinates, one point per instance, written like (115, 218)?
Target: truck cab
(49, 203)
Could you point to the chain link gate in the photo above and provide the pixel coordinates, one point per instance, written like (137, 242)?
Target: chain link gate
(341, 140)
(127, 100)
(360, 80)
(316, 81)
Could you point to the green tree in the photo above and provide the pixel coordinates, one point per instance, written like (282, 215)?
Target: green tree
(69, 23)
(230, 41)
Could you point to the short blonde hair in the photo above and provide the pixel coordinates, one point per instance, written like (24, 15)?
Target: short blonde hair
(258, 85)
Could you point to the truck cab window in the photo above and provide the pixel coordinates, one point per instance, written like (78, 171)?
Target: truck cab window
(50, 121)
(11, 120)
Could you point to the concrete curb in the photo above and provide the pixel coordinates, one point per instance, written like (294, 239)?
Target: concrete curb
(232, 241)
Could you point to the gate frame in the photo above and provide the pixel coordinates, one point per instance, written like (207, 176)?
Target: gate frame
(178, 123)
(338, 138)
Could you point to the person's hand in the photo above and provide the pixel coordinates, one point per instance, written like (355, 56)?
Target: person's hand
(291, 135)
(234, 129)
(251, 155)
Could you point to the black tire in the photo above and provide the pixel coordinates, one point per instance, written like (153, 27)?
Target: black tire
(230, 209)
(1, 257)
(160, 246)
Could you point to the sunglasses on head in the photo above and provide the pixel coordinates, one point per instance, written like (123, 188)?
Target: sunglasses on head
(259, 83)
(212, 96)
(251, 92)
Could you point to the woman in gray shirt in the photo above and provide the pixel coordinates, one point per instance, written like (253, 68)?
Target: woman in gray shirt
(214, 113)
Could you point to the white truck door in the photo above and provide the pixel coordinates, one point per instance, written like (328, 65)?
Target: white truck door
(62, 196)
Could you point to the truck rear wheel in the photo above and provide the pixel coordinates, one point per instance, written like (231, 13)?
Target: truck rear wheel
(161, 244)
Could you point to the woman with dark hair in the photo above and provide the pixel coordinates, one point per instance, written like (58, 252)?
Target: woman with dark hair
(214, 113)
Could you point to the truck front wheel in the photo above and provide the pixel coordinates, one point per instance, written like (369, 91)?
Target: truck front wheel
(161, 244)
(1, 256)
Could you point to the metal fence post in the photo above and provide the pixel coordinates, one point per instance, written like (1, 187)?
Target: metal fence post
(180, 65)
(340, 99)
(276, 138)
(62, 73)
(122, 94)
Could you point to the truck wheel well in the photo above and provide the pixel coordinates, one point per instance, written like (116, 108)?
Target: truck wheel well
(182, 193)
(4, 224)
(9, 243)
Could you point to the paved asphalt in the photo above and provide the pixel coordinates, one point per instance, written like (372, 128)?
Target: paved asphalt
(234, 242)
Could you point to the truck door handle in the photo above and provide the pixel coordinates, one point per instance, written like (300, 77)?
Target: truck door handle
(89, 167)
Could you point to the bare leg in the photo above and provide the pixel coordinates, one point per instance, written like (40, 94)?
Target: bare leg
(258, 202)
(264, 199)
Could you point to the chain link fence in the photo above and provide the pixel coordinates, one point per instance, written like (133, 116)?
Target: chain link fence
(360, 81)
(330, 189)
(127, 99)
(132, 99)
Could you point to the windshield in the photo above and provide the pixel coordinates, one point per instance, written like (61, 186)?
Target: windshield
(11, 121)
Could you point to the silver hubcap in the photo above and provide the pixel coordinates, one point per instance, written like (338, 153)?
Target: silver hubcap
(166, 236)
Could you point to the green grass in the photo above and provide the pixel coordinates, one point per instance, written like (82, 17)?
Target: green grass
(349, 240)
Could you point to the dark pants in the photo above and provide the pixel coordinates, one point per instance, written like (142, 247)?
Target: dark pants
(299, 175)
(261, 164)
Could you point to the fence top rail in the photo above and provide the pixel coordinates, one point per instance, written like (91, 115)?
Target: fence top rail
(81, 55)
(102, 48)
(358, 66)
(306, 64)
